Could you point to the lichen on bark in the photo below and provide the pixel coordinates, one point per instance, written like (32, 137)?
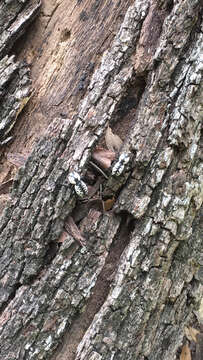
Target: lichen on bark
(154, 284)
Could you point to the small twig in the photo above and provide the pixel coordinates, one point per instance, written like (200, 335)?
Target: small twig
(100, 190)
(98, 169)
(72, 229)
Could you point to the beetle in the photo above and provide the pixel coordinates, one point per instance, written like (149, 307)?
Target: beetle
(79, 186)
(119, 166)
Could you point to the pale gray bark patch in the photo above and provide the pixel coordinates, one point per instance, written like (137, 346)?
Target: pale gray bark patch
(15, 84)
(15, 16)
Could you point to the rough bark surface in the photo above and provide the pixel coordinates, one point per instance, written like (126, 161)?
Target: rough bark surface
(15, 82)
(129, 293)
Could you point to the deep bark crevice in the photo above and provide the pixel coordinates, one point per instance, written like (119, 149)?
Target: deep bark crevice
(131, 290)
(100, 290)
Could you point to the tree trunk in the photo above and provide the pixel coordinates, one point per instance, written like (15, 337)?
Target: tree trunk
(130, 290)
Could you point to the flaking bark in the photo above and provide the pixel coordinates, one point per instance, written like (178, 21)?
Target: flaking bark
(153, 284)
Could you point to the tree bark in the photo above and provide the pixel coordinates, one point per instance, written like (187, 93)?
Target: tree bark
(129, 293)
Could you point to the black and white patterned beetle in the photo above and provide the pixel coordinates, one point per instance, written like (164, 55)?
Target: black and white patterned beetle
(79, 186)
(119, 166)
